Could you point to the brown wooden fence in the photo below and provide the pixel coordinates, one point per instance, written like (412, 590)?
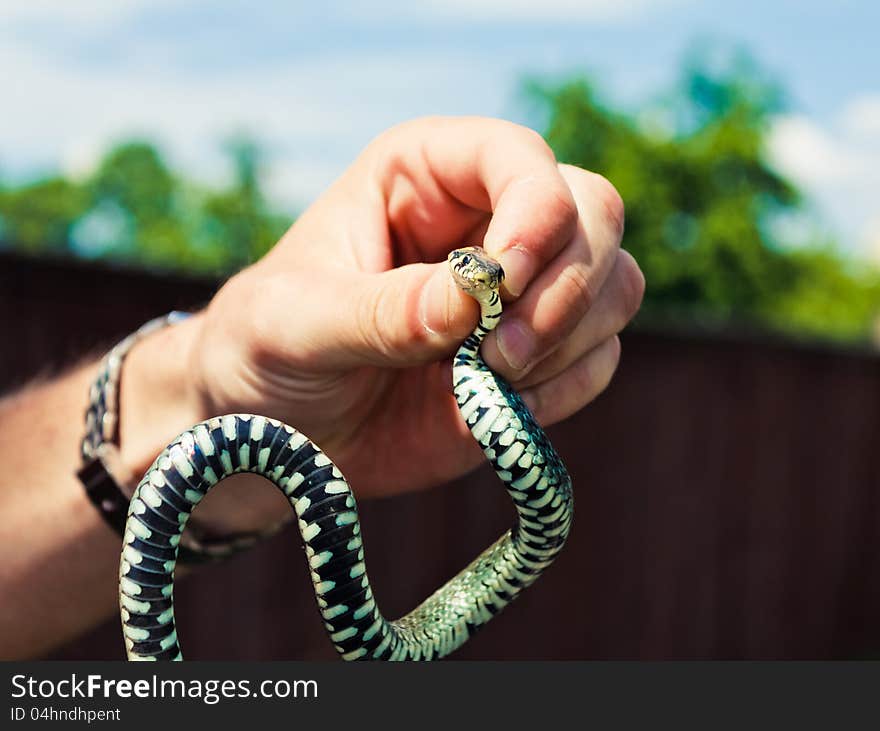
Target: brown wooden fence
(727, 502)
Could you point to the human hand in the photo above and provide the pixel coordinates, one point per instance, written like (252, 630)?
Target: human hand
(345, 329)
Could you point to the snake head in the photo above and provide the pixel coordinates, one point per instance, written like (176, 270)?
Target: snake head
(474, 270)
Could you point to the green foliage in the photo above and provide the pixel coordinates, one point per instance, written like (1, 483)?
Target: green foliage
(239, 216)
(828, 297)
(38, 217)
(134, 209)
(701, 202)
(134, 177)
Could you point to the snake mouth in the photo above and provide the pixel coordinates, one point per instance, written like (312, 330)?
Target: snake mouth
(474, 270)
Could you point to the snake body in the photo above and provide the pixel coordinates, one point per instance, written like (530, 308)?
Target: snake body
(198, 459)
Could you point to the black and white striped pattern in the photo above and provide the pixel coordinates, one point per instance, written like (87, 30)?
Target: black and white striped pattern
(182, 476)
(327, 517)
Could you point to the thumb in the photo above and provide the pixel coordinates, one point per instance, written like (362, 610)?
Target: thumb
(407, 316)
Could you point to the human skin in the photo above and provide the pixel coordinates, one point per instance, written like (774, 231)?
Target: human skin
(344, 330)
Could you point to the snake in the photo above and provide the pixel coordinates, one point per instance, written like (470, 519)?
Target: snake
(326, 512)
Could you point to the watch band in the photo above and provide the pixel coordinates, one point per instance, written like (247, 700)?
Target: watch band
(103, 475)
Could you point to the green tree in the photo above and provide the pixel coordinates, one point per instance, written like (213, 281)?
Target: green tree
(134, 186)
(239, 216)
(135, 209)
(134, 177)
(702, 207)
(701, 201)
(38, 217)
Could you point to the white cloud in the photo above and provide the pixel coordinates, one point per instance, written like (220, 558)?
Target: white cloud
(861, 117)
(810, 154)
(838, 166)
(83, 14)
(291, 181)
(80, 157)
(546, 10)
(314, 116)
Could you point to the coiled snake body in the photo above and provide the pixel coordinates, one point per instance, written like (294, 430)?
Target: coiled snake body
(327, 515)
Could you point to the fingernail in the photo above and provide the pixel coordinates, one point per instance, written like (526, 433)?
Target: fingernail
(435, 304)
(429, 313)
(518, 269)
(516, 344)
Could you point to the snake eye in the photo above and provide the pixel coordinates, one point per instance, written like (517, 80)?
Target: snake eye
(466, 260)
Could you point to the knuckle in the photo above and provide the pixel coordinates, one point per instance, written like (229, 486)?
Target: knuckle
(632, 284)
(615, 352)
(613, 208)
(537, 140)
(566, 210)
(390, 144)
(609, 362)
(577, 290)
(594, 374)
(522, 135)
(584, 381)
(407, 126)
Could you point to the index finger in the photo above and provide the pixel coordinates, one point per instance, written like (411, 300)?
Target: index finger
(499, 168)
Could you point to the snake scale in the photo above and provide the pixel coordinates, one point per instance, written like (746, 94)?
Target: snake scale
(202, 456)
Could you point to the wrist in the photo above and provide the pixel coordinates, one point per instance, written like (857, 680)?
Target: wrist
(158, 397)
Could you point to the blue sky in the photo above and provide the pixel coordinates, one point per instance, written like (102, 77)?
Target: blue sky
(316, 82)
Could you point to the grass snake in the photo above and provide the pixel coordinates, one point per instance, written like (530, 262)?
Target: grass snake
(202, 456)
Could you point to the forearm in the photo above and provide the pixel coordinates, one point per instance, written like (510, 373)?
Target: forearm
(59, 559)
